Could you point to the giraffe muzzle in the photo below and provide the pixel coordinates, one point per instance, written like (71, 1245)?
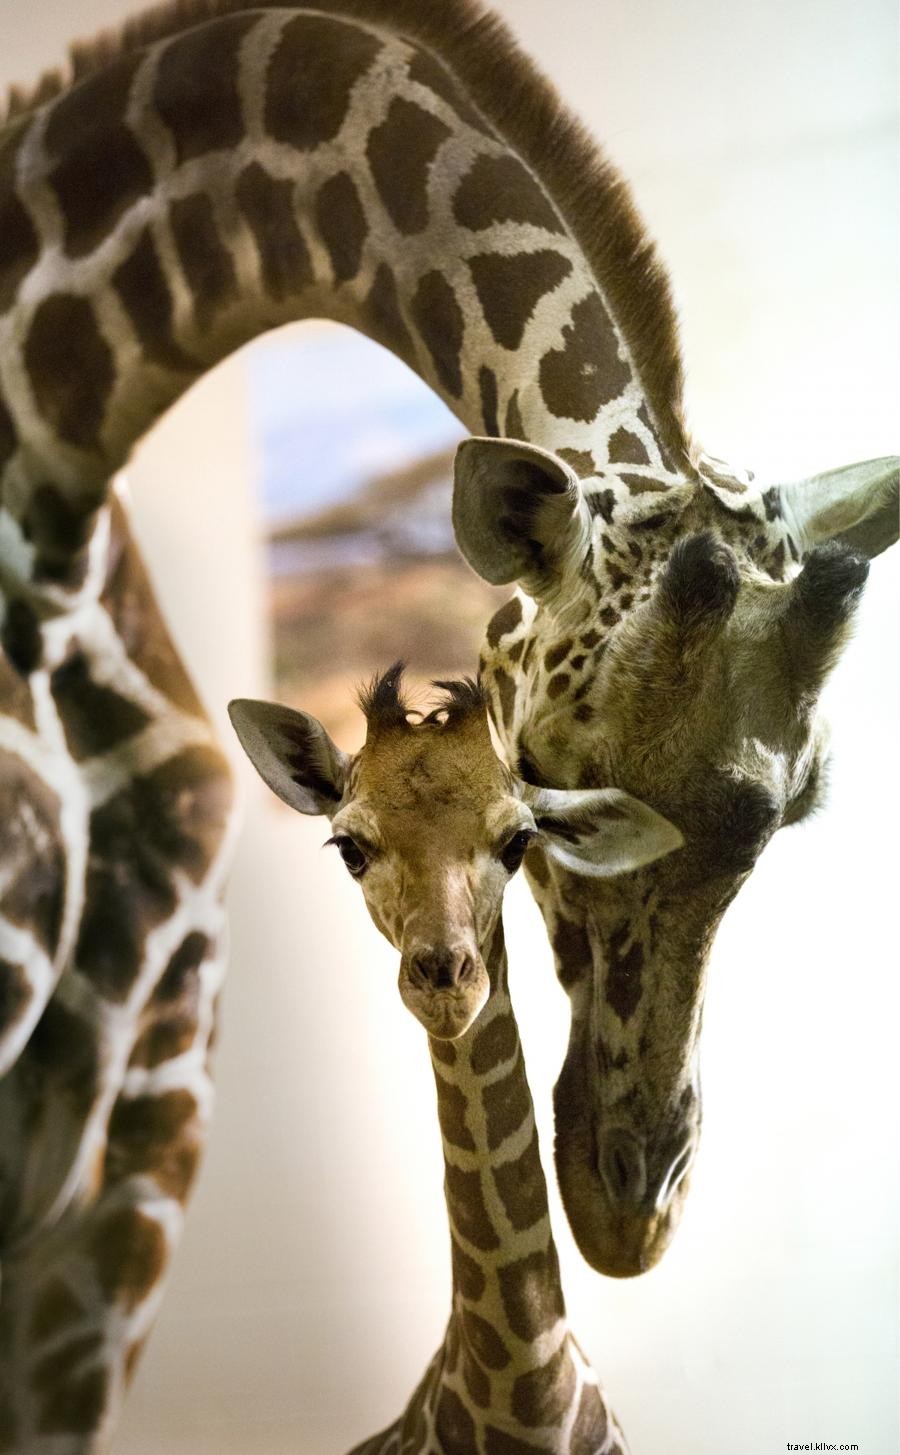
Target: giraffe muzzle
(444, 987)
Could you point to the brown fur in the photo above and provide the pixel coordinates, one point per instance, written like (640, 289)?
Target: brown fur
(524, 108)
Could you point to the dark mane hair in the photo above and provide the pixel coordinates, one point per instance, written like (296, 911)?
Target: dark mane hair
(526, 110)
(385, 706)
(382, 699)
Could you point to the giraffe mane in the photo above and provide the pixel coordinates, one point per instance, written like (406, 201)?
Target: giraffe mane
(526, 109)
(385, 706)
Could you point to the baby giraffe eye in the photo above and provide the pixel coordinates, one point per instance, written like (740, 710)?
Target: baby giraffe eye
(351, 853)
(513, 851)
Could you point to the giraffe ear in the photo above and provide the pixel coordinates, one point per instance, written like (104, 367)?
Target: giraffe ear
(599, 831)
(293, 753)
(857, 505)
(518, 512)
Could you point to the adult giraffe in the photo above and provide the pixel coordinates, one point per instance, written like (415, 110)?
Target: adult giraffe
(205, 180)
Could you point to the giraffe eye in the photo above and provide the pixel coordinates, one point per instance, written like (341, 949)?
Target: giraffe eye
(513, 851)
(352, 854)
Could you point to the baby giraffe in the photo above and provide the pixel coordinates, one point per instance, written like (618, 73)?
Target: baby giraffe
(433, 826)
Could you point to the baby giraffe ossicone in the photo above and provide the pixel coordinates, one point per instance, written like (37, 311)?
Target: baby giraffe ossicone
(432, 825)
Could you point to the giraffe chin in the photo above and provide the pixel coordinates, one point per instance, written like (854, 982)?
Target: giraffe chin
(621, 1243)
(446, 1014)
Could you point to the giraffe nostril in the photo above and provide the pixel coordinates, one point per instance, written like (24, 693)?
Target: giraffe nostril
(443, 969)
(623, 1169)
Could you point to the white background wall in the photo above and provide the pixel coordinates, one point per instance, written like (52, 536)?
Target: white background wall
(312, 1282)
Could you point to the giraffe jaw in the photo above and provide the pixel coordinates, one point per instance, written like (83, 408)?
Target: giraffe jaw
(446, 1014)
(624, 1221)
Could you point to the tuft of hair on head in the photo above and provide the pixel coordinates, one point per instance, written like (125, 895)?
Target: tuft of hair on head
(382, 700)
(463, 698)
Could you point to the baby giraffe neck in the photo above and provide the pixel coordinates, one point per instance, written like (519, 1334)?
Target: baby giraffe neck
(509, 1369)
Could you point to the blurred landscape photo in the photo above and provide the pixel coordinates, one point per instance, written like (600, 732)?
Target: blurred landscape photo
(356, 459)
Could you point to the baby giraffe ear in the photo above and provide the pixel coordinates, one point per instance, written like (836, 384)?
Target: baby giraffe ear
(291, 752)
(599, 831)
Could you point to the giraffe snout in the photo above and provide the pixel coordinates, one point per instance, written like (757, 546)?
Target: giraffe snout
(443, 968)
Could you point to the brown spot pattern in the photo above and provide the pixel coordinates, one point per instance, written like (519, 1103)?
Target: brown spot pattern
(497, 1042)
(531, 1294)
(32, 854)
(129, 1253)
(439, 319)
(453, 1424)
(623, 972)
(97, 183)
(387, 321)
(55, 1307)
(591, 1422)
(144, 292)
(19, 251)
(94, 717)
(557, 653)
(172, 818)
(426, 70)
(506, 691)
(582, 461)
(543, 1396)
(522, 1188)
(91, 109)
(9, 435)
(642, 484)
(207, 263)
(128, 597)
(70, 368)
(506, 1105)
(484, 1341)
(626, 448)
(501, 189)
(71, 1402)
(467, 1275)
(558, 684)
(452, 1108)
(586, 372)
(155, 1136)
(197, 93)
(22, 642)
(315, 67)
(487, 389)
(468, 1212)
(15, 994)
(172, 1014)
(510, 288)
(63, 1049)
(268, 208)
(503, 621)
(515, 429)
(342, 224)
(478, 1384)
(497, 1442)
(400, 152)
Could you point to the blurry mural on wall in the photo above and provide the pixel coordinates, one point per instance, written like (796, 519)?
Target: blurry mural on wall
(356, 460)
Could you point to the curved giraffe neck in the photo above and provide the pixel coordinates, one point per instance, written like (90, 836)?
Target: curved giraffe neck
(267, 166)
(509, 1371)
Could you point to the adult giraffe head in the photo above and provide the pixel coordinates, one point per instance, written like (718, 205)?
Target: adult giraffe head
(673, 641)
(433, 826)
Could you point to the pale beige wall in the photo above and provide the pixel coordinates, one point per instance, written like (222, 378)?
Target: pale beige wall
(311, 1284)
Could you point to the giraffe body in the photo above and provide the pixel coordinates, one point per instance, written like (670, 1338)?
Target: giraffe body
(432, 825)
(213, 173)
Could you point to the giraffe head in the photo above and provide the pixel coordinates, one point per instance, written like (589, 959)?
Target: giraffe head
(672, 641)
(433, 826)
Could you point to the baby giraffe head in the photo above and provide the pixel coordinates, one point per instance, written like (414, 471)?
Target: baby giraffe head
(433, 826)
